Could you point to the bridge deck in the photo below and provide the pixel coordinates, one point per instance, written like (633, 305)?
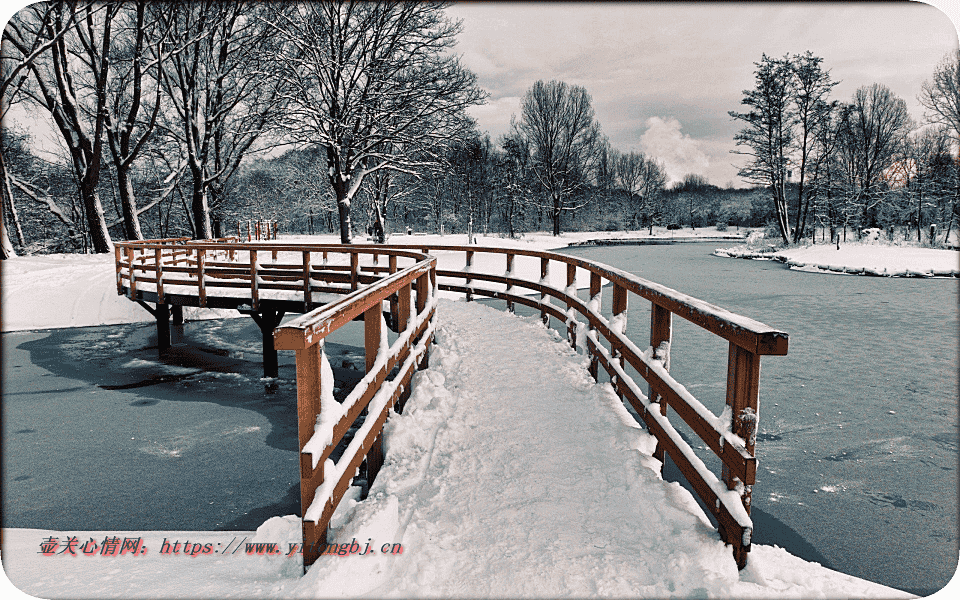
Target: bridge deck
(516, 475)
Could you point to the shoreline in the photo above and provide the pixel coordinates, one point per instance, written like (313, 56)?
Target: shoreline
(868, 260)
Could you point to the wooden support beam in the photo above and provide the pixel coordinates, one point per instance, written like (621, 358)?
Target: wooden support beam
(162, 315)
(308, 407)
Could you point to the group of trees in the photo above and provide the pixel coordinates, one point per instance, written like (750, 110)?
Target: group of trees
(858, 164)
(172, 117)
(180, 94)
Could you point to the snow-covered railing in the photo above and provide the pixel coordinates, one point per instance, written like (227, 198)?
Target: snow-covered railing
(322, 421)
(493, 272)
(230, 274)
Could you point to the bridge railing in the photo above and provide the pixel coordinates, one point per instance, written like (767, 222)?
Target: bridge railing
(146, 268)
(323, 422)
(493, 273)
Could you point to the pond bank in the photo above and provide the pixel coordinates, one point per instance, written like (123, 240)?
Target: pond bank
(857, 259)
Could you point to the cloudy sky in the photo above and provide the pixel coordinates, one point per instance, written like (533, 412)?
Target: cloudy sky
(663, 76)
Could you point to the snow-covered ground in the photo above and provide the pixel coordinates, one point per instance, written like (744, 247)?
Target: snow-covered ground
(483, 503)
(859, 258)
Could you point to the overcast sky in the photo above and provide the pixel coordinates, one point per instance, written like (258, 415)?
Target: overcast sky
(663, 76)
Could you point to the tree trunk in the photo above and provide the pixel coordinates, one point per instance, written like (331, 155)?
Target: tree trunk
(96, 222)
(8, 201)
(128, 203)
(556, 214)
(6, 248)
(200, 208)
(379, 231)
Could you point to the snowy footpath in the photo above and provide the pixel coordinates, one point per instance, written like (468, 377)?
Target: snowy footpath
(509, 474)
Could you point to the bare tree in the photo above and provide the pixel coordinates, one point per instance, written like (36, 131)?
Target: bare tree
(373, 83)
(133, 86)
(644, 179)
(28, 44)
(223, 97)
(941, 96)
(558, 121)
(874, 127)
(769, 133)
(71, 84)
(811, 86)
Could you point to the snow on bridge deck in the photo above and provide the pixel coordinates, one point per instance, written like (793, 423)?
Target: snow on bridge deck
(512, 474)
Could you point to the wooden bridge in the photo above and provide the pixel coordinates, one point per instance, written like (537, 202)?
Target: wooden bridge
(396, 287)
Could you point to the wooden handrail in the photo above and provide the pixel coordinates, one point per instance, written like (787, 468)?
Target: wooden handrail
(366, 286)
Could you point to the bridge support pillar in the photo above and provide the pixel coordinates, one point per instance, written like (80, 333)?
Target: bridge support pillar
(162, 315)
(267, 320)
(177, 333)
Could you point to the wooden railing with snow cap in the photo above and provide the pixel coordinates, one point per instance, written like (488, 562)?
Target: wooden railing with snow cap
(493, 272)
(322, 421)
(229, 274)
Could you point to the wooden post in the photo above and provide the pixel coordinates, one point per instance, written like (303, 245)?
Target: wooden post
(544, 273)
(661, 330)
(619, 308)
(201, 284)
(354, 270)
(133, 273)
(595, 297)
(267, 320)
(117, 252)
(467, 269)
(372, 331)
(509, 273)
(743, 397)
(307, 292)
(308, 407)
(158, 257)
(254, 283)
(394, 300)
(572, 325)
(403, 308)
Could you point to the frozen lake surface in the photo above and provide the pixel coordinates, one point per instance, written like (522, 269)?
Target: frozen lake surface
(858, 434)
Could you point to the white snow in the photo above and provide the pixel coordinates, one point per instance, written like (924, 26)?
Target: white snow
(861, 259)
(518, 477)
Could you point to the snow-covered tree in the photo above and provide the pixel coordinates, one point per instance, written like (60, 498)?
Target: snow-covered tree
(375, 84)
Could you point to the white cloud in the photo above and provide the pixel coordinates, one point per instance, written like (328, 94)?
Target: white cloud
(680, 153)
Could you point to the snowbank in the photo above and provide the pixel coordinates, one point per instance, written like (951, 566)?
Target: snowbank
(71, 290)
(859, 259)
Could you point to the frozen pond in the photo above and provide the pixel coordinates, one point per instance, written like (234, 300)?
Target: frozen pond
(858, 424)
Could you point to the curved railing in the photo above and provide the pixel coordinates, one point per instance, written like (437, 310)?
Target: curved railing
(518, 277)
